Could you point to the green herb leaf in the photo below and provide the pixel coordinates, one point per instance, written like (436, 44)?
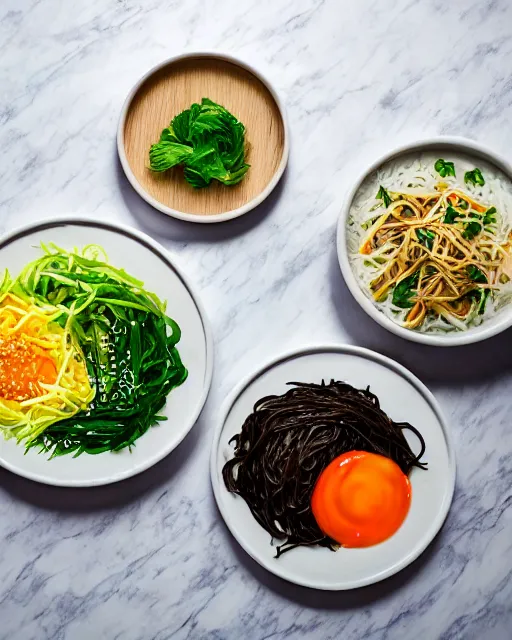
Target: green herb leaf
(490, 216)
(471, 229)
(485, 295)
(234, 177)
(164, 155)
(481, 296)
(444, 168)
(167, 135)
(405, 290)
(181, 124)
(426, 237)
(383, 195)
(366, 225)
(450, 215)
(476, 274)
(195, 178)
(464, 204)
(474, 177)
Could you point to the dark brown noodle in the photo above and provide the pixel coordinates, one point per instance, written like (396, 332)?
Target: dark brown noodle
(288, 441)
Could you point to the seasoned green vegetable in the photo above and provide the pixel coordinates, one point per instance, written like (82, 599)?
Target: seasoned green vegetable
(471, 229)
(208, 141)
(383, 195)
(490, 216)
(450, 215)
(476, 274)
(444, 168)
(474, 177)
(480, 296)
(426, 237)
(366, 225)
(127, 340)
(405, 290)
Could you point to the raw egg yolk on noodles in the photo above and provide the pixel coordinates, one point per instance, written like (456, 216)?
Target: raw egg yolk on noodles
(23, 366)
(361, 499)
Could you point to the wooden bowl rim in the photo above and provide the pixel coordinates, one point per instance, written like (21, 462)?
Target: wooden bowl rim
(194, 217)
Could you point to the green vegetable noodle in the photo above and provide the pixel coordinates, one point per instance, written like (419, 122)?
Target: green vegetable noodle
(207, 141)
(122, 338)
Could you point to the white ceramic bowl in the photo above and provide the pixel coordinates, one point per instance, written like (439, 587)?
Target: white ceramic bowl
(404, 398)
(489, 328)
(192, 217)
(142, 257)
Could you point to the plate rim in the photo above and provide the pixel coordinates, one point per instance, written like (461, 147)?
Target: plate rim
(163, 253)
(343, 349)
(462, 145)
(194, 217)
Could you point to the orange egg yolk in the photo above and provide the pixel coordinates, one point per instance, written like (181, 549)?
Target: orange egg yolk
(23, 366)
(361, 499)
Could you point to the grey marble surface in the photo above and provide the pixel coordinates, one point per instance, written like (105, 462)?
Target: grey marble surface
(150, 557)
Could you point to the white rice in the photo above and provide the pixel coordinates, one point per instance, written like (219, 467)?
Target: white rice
(415, 174)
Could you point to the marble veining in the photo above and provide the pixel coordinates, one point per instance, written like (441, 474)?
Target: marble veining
(150, 557)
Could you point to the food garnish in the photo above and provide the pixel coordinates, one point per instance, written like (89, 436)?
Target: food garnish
(208, 141)
(94, 354)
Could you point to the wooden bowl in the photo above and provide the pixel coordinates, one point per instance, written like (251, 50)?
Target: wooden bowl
(173, 86)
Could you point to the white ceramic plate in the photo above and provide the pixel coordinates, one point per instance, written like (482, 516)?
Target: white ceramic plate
(404, 398)
(140, 256)
(448, 145)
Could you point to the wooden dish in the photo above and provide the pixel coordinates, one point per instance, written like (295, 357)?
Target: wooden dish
(173, 86)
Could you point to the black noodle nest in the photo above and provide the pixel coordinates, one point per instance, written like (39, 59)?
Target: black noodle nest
(288, 441)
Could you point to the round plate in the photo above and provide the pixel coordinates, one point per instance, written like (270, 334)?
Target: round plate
(447, 145)
(404, 398)
(140, 256)
(173, 86)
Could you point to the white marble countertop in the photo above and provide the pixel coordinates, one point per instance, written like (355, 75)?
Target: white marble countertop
(150, 557)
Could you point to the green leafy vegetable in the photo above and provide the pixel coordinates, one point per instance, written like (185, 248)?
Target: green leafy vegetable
(168, 154)
(444, 168)
(383, 195)
(475, 177)
(366, 225)
(208, 141)
(471, 229)
(426, 237)
(464, 204)
(485, 293)
(476, 274)
(127, 340)
(405, 290)
(490, 216)
(481, 296)
(450, 215)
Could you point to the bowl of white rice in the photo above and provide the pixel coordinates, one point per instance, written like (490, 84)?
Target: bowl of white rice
(425, 241)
